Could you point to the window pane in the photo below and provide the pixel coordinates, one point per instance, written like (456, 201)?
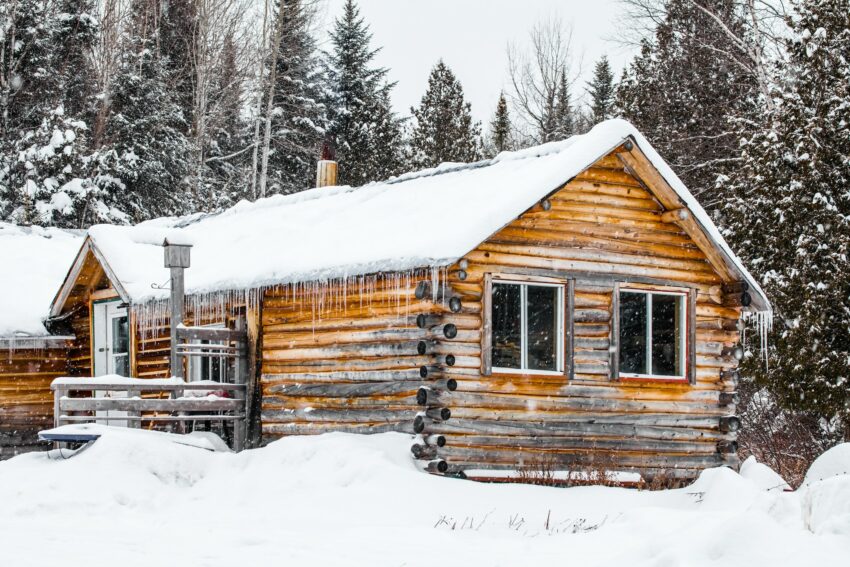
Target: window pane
(120, 335)
(507, 326)
(633, 333)
(666, 340)
(121, 365)
(542, 312)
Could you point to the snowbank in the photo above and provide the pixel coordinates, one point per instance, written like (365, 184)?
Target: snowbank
(429, 218)
(826, 492)
(35, 261)
(138, 498)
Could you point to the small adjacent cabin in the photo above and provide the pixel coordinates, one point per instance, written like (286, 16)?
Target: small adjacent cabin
(565, 306)
(34, 262)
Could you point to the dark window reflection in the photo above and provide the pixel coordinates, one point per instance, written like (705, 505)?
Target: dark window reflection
(507, 326)
(633, 329)
(666, 355)
(542, 313)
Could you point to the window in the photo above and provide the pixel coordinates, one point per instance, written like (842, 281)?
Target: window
(213, 366)
(652, 334)
(527, 327)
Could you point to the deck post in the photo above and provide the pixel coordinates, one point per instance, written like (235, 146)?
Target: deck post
(240, 367)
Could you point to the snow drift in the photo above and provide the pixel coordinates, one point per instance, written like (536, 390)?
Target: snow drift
(137, 498)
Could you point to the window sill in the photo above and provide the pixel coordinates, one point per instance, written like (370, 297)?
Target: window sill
(649, 378)
(518, 372)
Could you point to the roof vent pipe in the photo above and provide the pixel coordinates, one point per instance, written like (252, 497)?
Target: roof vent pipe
(326, 169)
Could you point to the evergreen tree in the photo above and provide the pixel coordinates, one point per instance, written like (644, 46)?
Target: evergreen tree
(444, 130)
(500, 127)
(563, 120)
(177, 26)
(601, 90)
(142, 169)
(684, 94)
(298, 115)
(789, 217)
(358, 102)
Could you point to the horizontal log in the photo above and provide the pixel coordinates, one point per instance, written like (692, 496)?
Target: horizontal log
(611, 460)
(341, 416)
(730, 376)
(675, 215)
(438, 414)
(735, 287)
(437, 467)
(726, 446)
(585, 443)
(343, 390)
(141, 404)
(425, 452)
(435, 440)
(736, 352)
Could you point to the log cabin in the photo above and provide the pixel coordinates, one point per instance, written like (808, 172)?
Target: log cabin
(561, 307)
(34, 261)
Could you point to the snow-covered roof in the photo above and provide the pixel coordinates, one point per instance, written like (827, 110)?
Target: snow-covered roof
(428, 218)
(34, 261)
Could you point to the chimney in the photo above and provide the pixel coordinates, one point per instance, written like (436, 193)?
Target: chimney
(326, 168)
(177, 259)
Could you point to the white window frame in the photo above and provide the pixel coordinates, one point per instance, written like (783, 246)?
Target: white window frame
(196, 362)
(683, 335)
(524, 284)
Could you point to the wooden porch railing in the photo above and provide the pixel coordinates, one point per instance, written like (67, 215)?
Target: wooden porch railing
(72, 405)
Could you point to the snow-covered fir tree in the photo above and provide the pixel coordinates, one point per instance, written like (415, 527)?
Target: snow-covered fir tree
(790, 217)
(684, 90)
(563, 119)
(444, 129)
(298, 117)
(601, 91)
(500, 138)
(144, 164)
(178, 21)
(360, 116)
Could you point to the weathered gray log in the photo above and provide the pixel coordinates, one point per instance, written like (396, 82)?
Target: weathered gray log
(427, 397)
(438, 414)
(436, 440)
(727, 446)
(438, 466)
(343, 390)
(450, 331)
(420, 422)
(450, 360)
(431, 371)
(728, 398)
(455, 304)
(428, 320)
(580, 442)
(730, 424)
(446, 384)
(423, 451)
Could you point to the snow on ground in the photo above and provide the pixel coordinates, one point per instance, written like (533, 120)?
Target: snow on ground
(34, 260)
(137, 498)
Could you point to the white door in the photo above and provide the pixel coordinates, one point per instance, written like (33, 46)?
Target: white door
(111, 349)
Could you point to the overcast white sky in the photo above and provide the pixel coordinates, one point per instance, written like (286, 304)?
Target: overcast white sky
(472, 37)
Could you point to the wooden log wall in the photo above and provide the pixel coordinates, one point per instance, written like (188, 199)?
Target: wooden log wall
(26, 402)
(365, 368)
(352, 366)
(603, 226)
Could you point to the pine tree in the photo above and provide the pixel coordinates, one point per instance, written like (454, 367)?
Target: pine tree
(601, 91)
(143, 168)
(357, 106)
(444, 130)
(789, 217)
(684, 94)
(177, 26)
(563, 120)
(299, 120)
(500, 127)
